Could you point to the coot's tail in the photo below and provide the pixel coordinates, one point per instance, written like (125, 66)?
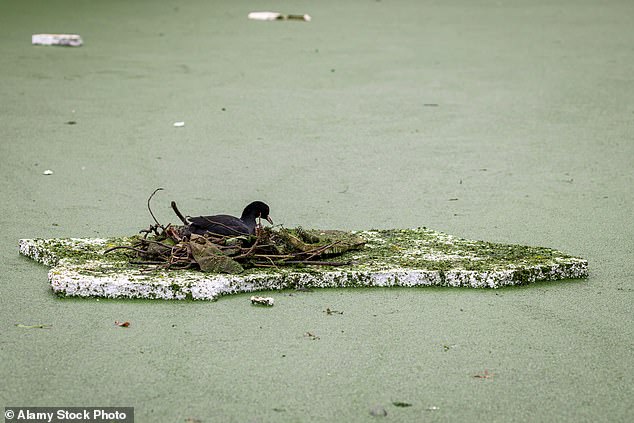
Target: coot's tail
(178, 213)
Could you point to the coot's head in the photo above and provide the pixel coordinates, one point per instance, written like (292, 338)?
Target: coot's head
(255, 210)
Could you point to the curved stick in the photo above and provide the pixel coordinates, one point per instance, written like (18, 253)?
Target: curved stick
(148, 205)
(124, 247)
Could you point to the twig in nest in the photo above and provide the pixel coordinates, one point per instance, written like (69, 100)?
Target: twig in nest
(181, 256)
(125, 247)
(151, 241)
(313, 252)
(249, 251)
(173, 234)
(275, 256)
(150, 209)
(154, 229)
(272, 262)
(179, 265)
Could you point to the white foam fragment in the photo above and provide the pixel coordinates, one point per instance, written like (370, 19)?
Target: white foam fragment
(68, 40)
(276, 16)
(264, 16)
(265, 301)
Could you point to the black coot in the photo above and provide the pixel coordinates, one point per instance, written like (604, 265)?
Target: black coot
(223, 224)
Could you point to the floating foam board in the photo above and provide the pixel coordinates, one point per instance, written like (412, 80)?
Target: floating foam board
(400, 257)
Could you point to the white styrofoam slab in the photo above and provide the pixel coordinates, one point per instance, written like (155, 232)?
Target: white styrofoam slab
(409, 257)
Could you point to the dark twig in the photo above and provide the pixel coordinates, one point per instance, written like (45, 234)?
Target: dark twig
(151, 241)
(276, 256)
(249, 251)
(315, 251)
(125, 247)
(150, 209)
(272, 262)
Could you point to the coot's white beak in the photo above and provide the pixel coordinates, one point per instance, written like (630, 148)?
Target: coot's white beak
(269, 219)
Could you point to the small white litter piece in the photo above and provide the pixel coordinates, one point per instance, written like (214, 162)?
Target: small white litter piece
(66, 40)
(179, 124)
(276, 16)
(47, 172)
(265, 301)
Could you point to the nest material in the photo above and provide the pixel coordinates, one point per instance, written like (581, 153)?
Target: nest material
(176, 247)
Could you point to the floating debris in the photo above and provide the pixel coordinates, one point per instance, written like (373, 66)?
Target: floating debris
(276, 16)
(47, 172)
(265, 301)
(311, 336)
(66, 40)
(484, 375)
(44, 326)
(401, 404)
(378, 411)
(122, 324)
(179, 124)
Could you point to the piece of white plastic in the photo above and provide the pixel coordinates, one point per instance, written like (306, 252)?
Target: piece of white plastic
(274, 16)
(265, 301)
(68, 40)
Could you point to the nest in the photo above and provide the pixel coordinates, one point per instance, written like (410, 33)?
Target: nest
(175, 247)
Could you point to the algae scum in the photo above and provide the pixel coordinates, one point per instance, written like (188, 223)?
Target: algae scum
(396, 257)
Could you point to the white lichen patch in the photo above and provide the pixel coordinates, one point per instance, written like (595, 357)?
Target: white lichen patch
(402, 257)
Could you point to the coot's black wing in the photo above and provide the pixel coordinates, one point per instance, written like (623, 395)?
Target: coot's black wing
(221, 224)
